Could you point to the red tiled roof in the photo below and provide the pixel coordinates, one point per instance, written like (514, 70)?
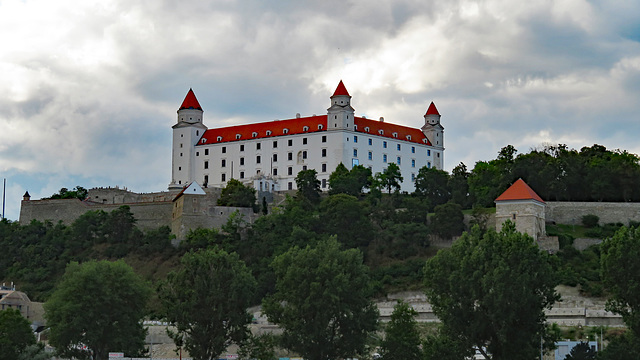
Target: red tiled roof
(393, 131)
(340, 90)
(276, 128)
(432, 110)
(297, 126)
(519, 191)
(190, 102)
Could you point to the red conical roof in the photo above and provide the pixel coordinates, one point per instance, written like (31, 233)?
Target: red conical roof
(519, 191)
(190, 102)
(341, 90)
(432, 110)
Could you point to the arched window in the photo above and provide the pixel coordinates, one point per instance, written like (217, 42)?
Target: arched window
(366, 129)
(409, 137)
(219, 138)
(268, 132)
(285, 131)
(381, 132)
(395, 135)
(254, 134)
(305, 128)
(320, 127)
(238, 136)
(204, 140)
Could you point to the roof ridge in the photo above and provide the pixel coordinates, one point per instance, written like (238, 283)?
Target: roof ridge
(519, 190)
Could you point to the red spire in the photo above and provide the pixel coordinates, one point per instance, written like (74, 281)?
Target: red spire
(519, 191)
(432, 110)
(190, 102)
(341, 90)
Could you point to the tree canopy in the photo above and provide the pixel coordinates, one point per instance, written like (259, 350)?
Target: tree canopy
(621, 274)
(99, 304)
(322, 301)
(490, 291)
(15, 334)
(207, 300)
(235, 193)
(402, 338)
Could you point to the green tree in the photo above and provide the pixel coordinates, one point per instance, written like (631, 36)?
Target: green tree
(346, 217)
(621, 275)
(459, 185)
(433, 184)
(99, 304)
(207, 300)
(322, 301)
(15, 334)
(448, 220)
(34, 352)
(490, 291)
(259, 347)
(308, 186)
(402, 338)
(582, 351)
(390, 178)
(343, 181)
(235, 193)
(78, 192)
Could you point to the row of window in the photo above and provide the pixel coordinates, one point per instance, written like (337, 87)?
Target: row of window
(267, 133)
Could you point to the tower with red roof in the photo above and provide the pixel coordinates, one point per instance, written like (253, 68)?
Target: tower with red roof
(269, 155)
(186, 134)
(434, 131)
(522, 206)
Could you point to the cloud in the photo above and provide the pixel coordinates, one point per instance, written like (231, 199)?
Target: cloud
(90, 88)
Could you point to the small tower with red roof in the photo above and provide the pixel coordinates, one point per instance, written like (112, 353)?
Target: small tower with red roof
(434, 131)
(340, 116)
(186, 134)
(522, 206)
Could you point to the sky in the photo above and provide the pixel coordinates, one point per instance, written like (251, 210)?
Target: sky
(89, 89)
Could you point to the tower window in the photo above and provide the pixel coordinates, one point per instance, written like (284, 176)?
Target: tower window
(384, 158)
(355, 139)
(384, 144)
(324, 152)
(206, 151)
(224, 177)
(398, 147)
(398, 160)
(324, 138)
(413, 149)
(304, 141)
(206, 164)
(370, 142)
(275, 144)
(370, 155)
(224, 149)
(275, 157)
(413, 163)
(241, 161)
(304, 154)
(242, 147)
(275, 172)
(257, 146)
(224, 163)
(290, 142)
(290, 156)
(241, 174)
(290, 170)
(428, 152)
(258, 159)
(324, 167)
(355, 152)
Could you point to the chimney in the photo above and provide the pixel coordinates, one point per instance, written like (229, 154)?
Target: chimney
(381, 119)
(297, 115)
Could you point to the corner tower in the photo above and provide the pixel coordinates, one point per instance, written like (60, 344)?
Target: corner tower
(340, 114)
(434, 131)
(186, 134)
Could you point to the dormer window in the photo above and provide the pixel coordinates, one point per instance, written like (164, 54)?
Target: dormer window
(381, 132)
(203, 141)
(395, 135)
(424, 141)
(238, 136)
(219, 138)
(409, 137)
(355, 127)
(320, 127)
(366, 129)
(305, 128)
(254, 134)
(285, 131)
(268, 132)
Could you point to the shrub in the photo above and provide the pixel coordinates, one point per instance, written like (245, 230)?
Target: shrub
(590, 221)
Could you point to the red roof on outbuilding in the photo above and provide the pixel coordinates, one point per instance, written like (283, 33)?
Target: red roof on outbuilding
(519, 191)
(432, 110)
(190, 102)
(340, 90)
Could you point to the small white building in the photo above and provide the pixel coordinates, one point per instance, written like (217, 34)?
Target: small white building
(520, 204)
(269, 155)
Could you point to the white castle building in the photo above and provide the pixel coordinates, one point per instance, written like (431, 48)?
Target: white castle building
(269, 155)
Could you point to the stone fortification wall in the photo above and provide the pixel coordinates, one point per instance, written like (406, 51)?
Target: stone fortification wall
(109, 195)
(571, 213)
(148, 215)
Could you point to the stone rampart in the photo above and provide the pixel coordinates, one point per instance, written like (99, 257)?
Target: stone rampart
(571, 213)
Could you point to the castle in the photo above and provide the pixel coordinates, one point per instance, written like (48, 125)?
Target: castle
(268, 155)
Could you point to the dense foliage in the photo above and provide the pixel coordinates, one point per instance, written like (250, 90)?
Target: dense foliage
(99, 304)
(322, 301)
(490, 291)
(402, 337)
(206, 300)
(15, 334)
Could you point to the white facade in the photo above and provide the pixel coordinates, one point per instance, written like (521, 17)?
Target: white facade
(269, 155)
